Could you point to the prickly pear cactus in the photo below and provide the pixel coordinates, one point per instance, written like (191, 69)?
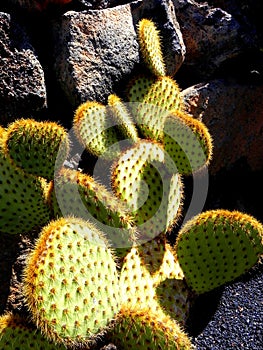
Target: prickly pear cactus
(124, 120)
(188, 142)
(218, 246)
(17, 333)
(79, 194)
(142, 179)
(96, 130)
(23, 197)
(37, 147)
(145, 329)
(151, 101)
(150, 45)
(71, 282)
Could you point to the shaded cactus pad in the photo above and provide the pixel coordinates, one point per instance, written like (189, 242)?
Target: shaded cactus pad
(144, 329)
(34, 146)
(16, 333)
(71, 282)
(218, 246)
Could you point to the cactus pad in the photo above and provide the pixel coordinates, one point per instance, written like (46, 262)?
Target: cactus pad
(23, 203)
(218, 246)
(71, 282)
(144, 329)
(142, 179)
(150, 46)
(80, 195)
(124, 121)
(95, 130)
(187, 141)
(153, 99)
(34, 146)
(16, 333)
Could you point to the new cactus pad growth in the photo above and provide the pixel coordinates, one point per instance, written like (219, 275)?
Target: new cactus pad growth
(71, 282)
(17, 333)
(150, 45)
(217, 246)
(34, 146)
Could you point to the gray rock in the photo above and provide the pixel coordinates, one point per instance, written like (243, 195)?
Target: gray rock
(233, 114)
(211, 36)
(94, 51)
(22, 85)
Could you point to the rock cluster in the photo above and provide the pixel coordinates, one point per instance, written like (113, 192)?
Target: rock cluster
(55, 55)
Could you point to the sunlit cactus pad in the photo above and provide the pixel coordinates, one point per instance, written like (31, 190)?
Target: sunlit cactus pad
(187, 141)
(151, 100)
(76, 193)
(17, 333)
(143, 180)
(71, 282)
(150, 46)
(95, 130)
(218, 246)
(34, 146)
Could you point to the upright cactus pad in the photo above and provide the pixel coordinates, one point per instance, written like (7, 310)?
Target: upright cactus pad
(187, 141)
(34, 146)
(23, 202)
(153, 99)
(142, 179)
(145, 329)
(78, 194)
(218, 246)
(95, 130)
(150, 46)
(124, 121)
(71, 282)
(17, 333)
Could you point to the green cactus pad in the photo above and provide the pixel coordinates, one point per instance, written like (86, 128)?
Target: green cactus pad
(153, 99)
(150, 46)
(218, 246)
(136, 284)
(188, 142)
(95, 130)
(34, 146)
(23, 202)
(71, 282)
(171, 292)
(145, 329)
(80, 195)
(17, 333)
(124, 120)
(142, 179)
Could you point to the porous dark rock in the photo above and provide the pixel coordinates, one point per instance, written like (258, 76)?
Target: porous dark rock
(94, 50)
(211, 36)
(233, 114)
(22, 83)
